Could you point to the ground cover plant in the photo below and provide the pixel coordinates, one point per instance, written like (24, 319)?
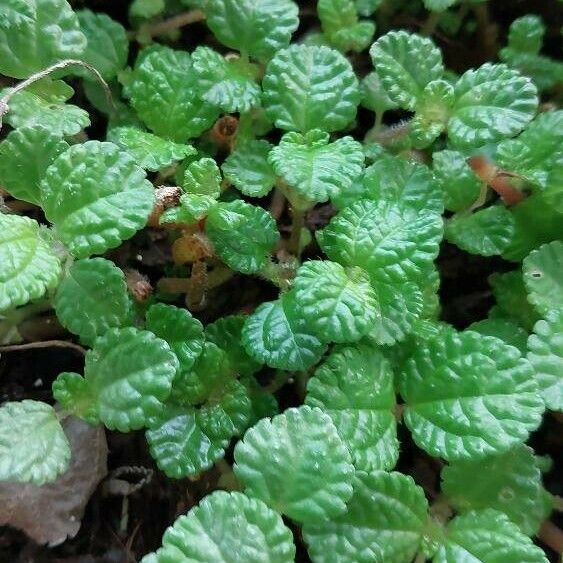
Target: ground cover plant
(299, 266)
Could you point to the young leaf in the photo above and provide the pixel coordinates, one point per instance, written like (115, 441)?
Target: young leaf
(35, 35)
(510, 483)
(438, 5)
(491, 103)
(338, 304)
(25, 154)
(406, 63)
(486, 536)
(33, 445)
(297, 464)
(546, 355)
(164, 94)
(316, 169)
(469, 396)
(227, 526)
(29, 266)
(542, 270)
(486, 232)
(256, 230)
(526, 34)
(203, 177)
(275, 334)
(248, 169)
(127, 377)
(354, 386)
(374, 96)
(228, 84)
(308, 87)
(191, 209)
(176, 326)
(254, 27)
(92, 298)
(96, 197)
(149, 151)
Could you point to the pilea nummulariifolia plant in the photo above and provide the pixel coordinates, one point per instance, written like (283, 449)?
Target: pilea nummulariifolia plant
(244, 156)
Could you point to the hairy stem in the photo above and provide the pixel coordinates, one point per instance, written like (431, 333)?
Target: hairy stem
(43, 344)
(552, 536)
(277, 205)
(175, 22)
(389, 135)
(297, 224)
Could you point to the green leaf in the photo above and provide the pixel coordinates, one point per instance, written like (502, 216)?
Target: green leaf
(316, 169)
(384, 521)
(546, 356)
(510, 482)
(354, 386)
(96, 197)
(228, 84)
(308, 87)
(176, 326)
(107, 45)
(469, 396)
(374, 96)
(191, 209)
(264, 404)
(179, 445)
(255, 27)
(491, 103)
(275, 334)
(406, 63)
(367, 7)
(526, 34)
(127, 377)
(37, 34)
(504, 329)
(29, 266)
(486, 536)
(45, 106)
(92, 298)
(149, 151)
(542, 270)
(203, 177)
(338, 304)
(226, 333)
(164, 94)
(146, 9)
(256, 235)
(457, 180)
(227, 527)
(25, 154)
(486, 232)
(248, 169)
(297, 464)
(33, 445)
(438, 5)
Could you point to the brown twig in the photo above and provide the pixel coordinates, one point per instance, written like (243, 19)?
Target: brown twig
(552, 536)
(175, 22)
(42, 344)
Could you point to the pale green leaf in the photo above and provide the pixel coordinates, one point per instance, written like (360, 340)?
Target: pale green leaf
(505, 329)
(202, 177)
(374, 96)
(191, 209)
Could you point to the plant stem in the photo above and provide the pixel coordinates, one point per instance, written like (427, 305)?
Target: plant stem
(277, 205)
(429, 26)
(175, 22)
(552, 536)
(390, 134)
(43, 344)
(280, 379)
(297, 224)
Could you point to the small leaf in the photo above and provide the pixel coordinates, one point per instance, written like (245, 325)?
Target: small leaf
(229, 527)
(256, 230)
(33, 445)
(316, 169)
(354, 386)
(384, 521)
(367, 7)
(256, 27)
(276, 335)
(25, 154)
(491, 103)
(546, 356)
(338, 304)
(310, 87)
(146, 9)
(542, 270)
(510, 483)
(486, 536)
(486, 232)
(406, 63)
(92, 298)
(526, 34)
(469, 396)
(191, 209)
(374, 96)
(248, 169)
(297, 464)
(96, 211)
(203, 177)
(438, 5)
(149, 151)
(29, 266)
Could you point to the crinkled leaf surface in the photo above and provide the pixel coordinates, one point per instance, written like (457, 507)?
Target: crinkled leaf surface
(505, 329)
(374, 96)
(384, 522)
(308, 87)
(202, 177)
(96, 196)
(469, 396)
(33, 445)
(191, 208)
(297, 464)
(354, 386)
(29, 266)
